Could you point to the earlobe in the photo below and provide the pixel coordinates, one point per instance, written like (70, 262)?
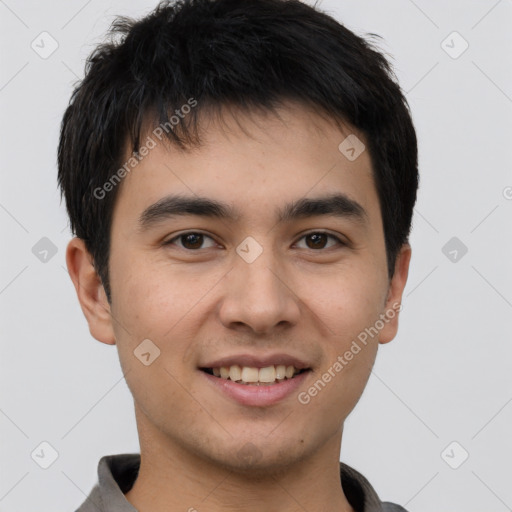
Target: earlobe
(393, 304)
(90, 292)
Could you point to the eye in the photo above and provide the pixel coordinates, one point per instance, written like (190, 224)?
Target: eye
(319, 240)
(191, 241)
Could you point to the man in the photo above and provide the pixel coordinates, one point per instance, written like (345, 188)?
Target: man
(240, 176)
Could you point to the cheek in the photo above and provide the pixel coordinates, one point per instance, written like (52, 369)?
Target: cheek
(143, 308)
(348, 306)
(158, 307)
(161, 301)
(146, 292)
(144, 303)
(336, 388)
(346, 302)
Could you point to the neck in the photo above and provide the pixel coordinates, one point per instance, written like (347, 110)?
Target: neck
(172, 478)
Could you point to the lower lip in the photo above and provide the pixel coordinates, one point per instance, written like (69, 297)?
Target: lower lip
(257, 396)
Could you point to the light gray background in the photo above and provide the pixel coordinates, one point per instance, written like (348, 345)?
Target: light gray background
(447, 375)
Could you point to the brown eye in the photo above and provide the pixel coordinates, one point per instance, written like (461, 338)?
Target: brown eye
(316, 240)
(191, 241)
(320, 240)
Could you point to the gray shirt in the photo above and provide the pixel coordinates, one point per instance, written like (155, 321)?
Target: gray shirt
(117, 474)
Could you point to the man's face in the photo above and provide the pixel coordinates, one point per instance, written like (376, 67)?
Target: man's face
(270, 286)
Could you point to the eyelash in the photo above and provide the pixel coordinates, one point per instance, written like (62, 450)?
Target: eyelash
(329, 235)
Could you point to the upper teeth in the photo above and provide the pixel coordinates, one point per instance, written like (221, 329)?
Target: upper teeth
(249, 374)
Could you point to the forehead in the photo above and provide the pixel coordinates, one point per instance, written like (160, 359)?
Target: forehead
(252, 161)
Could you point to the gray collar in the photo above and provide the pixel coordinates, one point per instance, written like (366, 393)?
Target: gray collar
(117, 474)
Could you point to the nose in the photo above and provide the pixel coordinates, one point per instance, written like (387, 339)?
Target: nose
(258, 297)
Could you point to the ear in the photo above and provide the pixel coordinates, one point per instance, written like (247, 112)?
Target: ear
(394, 299)
(90, 291)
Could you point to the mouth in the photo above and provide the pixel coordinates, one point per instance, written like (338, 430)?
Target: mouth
(253, 376)
(256, 380)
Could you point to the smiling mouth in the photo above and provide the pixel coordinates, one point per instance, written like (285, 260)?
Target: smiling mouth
(268, 376)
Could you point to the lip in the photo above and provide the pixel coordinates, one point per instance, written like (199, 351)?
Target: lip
(256, 396)
(255, 361)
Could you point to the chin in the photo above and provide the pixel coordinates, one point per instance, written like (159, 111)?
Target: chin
(257, 459)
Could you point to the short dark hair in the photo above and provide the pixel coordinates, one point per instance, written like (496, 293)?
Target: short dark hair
(249, 54)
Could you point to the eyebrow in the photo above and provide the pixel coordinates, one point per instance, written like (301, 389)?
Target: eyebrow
(337, 205)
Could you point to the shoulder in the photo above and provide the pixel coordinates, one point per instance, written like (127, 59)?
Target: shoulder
(361, 494)
(116, 475)
(392, 507)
